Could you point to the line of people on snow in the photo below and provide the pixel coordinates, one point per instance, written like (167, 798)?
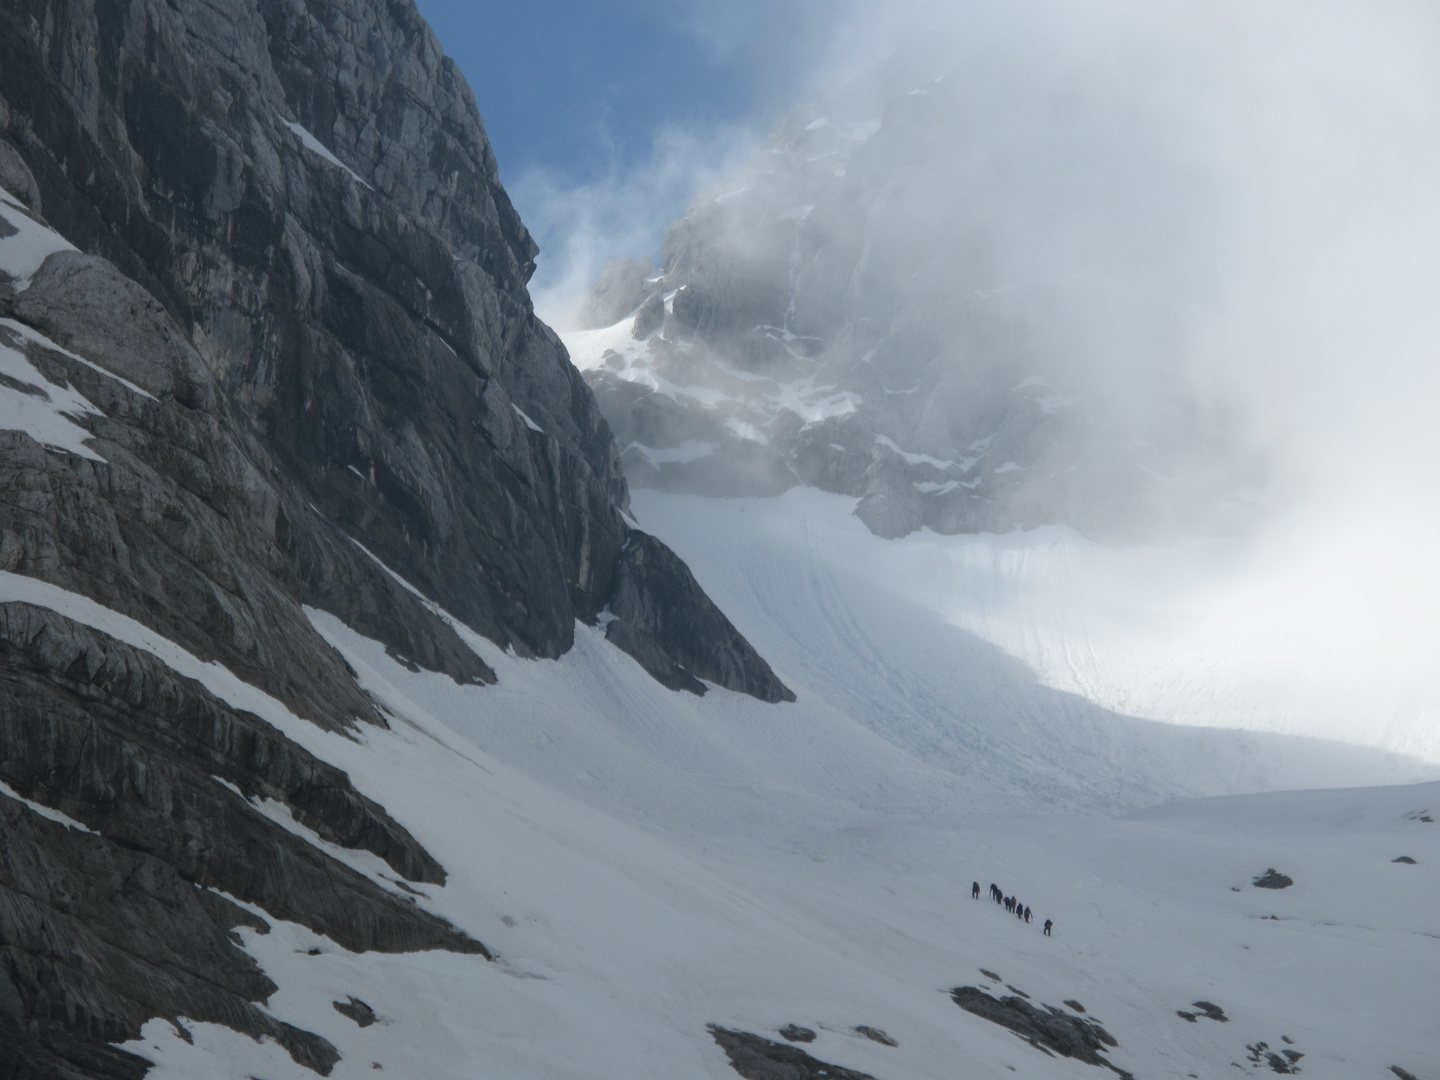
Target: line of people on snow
(1012, 905)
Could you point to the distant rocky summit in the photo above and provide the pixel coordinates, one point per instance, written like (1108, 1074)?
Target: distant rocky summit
(265, 342)
(899, 302)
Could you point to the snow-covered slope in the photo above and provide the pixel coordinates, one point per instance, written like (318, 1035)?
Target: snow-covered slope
(618, 945)
(646, 863)
(1241, 634)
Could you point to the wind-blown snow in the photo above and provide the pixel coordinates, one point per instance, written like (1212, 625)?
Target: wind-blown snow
(315, 146)
(1217, 633)
(31, 403)
(43, 810)
(919, 459)
(525, 417)
(755, 398)
(215, 677)
(30, 245)
(688, 451)
(32, 335)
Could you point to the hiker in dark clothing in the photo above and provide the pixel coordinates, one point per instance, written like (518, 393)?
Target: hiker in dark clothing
(975, 890)
(995, 892)
(1019, 911)
(1027, 914)
(1048, 925)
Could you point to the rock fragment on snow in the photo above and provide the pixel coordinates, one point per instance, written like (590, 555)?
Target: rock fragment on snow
(356, 1010)
(875, 1034)
(1273, 879)
(755, 1058)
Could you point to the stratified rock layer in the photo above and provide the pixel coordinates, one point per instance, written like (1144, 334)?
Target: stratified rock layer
(291, 293)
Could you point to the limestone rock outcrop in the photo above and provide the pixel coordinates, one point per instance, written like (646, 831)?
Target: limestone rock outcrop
(267, 344)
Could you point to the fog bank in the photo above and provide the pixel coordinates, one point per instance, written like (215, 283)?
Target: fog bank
(1218, 220)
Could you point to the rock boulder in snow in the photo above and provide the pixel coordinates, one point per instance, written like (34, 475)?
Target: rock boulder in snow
(755, 1058)
(1069, 1036)
(1273, 879)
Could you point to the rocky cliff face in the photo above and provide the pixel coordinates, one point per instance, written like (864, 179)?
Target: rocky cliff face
(900, 301)
(265, 342)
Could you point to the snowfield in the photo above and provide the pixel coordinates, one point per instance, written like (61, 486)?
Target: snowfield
(645, 863)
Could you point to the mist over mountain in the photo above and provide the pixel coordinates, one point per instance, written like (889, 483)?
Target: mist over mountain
(960, 295)
(1152, 272)
(1016, 472)
(1033, 267)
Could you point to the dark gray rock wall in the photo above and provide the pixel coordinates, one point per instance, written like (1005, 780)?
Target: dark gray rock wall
(98, 939)
(299, 309)
(366, 325)
(375, 320)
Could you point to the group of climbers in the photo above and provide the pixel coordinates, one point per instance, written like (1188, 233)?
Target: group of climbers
(1010, 903)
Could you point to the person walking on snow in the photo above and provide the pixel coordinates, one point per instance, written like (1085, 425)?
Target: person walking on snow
(1027, 914)
(975, 890)
(1048, 925)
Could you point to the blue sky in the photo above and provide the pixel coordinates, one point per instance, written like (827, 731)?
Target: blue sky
(580, 88)
(608, 116)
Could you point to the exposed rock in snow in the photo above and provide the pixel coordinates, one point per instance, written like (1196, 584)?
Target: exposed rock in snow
(874, 1034)
(16, 178)
(1272, 879)
(661, 612)
(755, 1058)
(356, 1010)
(1051, 1029)
(1207, 1009)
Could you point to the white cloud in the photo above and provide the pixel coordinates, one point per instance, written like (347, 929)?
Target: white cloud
(623, 214)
